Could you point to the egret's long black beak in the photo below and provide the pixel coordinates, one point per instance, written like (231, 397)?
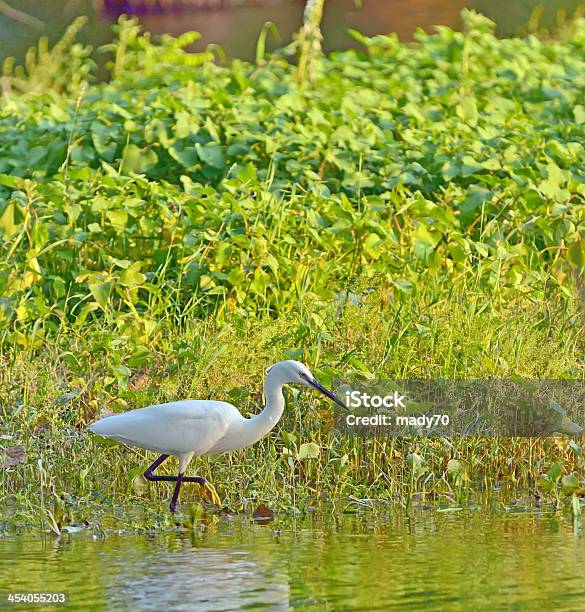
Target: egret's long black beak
(326, 392)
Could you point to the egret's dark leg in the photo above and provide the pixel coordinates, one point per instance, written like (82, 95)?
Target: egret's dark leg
(180, 479)
(176, 492)
(150, 475)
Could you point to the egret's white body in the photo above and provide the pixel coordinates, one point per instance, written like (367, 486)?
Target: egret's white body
(191, 428)
(186, 429)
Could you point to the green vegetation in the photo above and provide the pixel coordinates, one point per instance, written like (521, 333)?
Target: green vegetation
(415, 210)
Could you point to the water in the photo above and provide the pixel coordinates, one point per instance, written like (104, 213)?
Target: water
(236, 27)
(430, 560)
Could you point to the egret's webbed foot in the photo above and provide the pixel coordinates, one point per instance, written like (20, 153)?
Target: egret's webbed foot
(210, 494)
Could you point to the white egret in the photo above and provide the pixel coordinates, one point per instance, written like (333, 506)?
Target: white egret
(191, 428)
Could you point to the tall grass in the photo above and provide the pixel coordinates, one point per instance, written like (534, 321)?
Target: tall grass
(49, 399)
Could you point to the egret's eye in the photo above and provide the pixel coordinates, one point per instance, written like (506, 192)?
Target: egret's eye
(302, 375)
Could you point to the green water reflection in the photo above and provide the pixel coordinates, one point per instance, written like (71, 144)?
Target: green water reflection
(428, 560)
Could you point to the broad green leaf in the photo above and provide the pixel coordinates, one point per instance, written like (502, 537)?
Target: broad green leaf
(416, 463)
(132, 277)
(569, 483)
(579, 113)
(576, 254)
(10, 219)
(186, 157)
(118, 218)
(211, 154)
(467, 111)
(555, 471)
(455, 467)
(309, 450)
(10, 181)
(187, 125)
(104, 140)
(139, 160)
(372, 246)
(101, 293)
(403, 285)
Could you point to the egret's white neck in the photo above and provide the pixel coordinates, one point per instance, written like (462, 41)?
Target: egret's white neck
(258, 426)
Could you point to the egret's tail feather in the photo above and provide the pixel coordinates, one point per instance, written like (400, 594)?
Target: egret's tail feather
(104, 427)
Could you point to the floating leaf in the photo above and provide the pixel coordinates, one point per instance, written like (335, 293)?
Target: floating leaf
(263, 513)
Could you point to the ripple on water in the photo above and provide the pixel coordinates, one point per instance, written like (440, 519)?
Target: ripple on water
(352, 562)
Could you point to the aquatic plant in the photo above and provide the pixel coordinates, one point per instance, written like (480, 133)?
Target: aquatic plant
(183, 184)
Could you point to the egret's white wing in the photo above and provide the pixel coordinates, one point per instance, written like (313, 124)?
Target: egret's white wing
(172, 428)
